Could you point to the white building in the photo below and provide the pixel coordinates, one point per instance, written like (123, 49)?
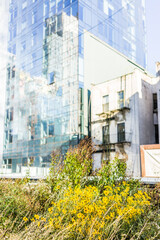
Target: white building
(125, 115)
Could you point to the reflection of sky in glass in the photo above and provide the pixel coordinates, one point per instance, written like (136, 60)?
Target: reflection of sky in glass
(45, 69)
(4, 4)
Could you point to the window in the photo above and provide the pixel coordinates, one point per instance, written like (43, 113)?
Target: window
(156, 134)
(59, 25)
(120, 102)
(105, 103)
(51, 78)
(81, 98)
(121, 132)
(11, 114)
(31, 130)
(105, 133)
(24, 162)
(53, 26)
(10, 136)
(13, 71)
(59, 22)
(154, 102)
(24, 4)
(34, 38)
(6, 136)
(34, 17)
(7, 114)
(8, 72)
(51, 130)
(47, 130)
(23, 46)
(24, 22)
(15, 12)
(45, 161)
(7, 163)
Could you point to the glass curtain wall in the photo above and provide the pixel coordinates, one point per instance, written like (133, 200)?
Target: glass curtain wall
(45, 72)
(42, 100)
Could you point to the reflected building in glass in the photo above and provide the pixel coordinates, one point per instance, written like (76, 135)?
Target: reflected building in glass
(46, 88)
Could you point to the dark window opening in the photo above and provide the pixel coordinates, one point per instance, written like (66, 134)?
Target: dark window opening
(8, 72)
(155, 102)
(7, 163)
(51, 130)
(121, 132)
(105, 132)
(10, 136)
(156, 134)
(13, 71)
(11, 114)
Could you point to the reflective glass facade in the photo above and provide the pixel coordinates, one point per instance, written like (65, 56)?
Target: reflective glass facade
(45, 76)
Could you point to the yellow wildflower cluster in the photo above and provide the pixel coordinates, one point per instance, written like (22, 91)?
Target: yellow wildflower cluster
(88, 212)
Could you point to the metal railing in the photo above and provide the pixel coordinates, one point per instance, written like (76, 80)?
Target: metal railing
(121, 137)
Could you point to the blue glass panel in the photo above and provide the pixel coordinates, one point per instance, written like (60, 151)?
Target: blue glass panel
(60, 5)
(66, 3)
(75, 10)
(81, 13)
(67, 11)
(100, 27)
(100, 5)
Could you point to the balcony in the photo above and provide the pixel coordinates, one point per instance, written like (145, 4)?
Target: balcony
(119, 138)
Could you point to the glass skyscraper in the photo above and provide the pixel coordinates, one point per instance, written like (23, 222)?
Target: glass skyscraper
(45, 76)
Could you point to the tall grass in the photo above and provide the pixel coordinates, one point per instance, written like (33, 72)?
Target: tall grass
(74, 203)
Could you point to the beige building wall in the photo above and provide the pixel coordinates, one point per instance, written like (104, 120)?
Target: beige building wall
(138, 116)
(106, 72)
(102, 63)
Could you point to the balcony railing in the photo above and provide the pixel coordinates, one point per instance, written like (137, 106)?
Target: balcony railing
(121, 137)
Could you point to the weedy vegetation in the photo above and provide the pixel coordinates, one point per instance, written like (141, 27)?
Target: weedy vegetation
(76, 203)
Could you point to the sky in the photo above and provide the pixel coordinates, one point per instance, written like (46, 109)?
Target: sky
(153, 33)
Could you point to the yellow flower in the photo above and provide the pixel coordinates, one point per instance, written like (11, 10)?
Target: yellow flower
(64, 211)
(38, 224)
(36, 216)
(80, 215)
(25, 219)
(32, 219)
(50, 210)
(43, 219)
